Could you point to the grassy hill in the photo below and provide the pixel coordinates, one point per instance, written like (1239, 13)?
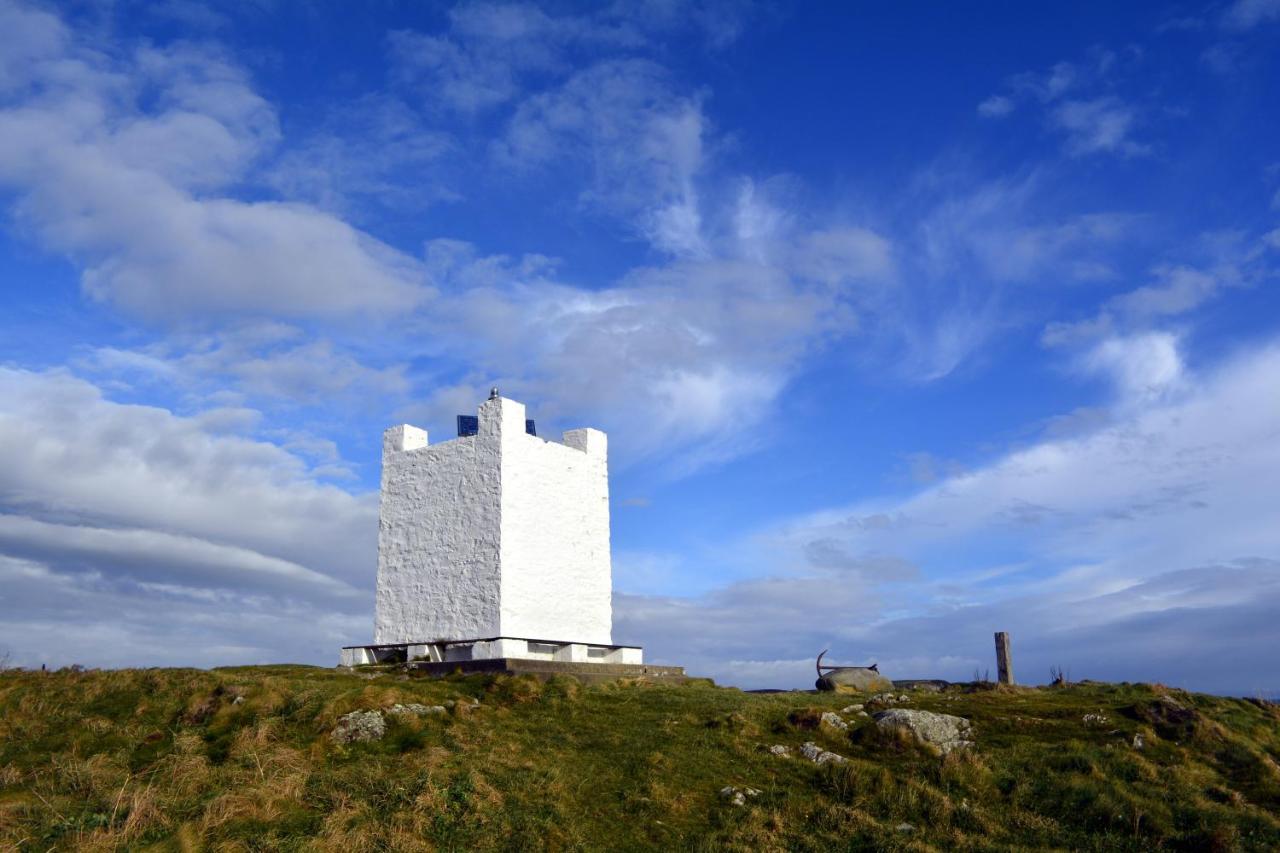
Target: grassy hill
(243, 759)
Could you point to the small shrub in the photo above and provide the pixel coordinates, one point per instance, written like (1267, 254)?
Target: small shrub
(515, 689)
(1171, 719)
(805, 719)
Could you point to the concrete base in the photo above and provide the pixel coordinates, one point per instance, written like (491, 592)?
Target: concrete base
(493, 648)
(588, 673)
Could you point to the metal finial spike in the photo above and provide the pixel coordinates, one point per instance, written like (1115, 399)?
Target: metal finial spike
(493, 393)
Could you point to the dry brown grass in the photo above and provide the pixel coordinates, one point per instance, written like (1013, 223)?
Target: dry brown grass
(122, 762)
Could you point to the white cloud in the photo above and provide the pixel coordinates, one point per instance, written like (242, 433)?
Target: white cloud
(1245, 14)
(977, 256)
(493, 54)
(31, 35)
(56, 617)
(1143, 367)
(996, 106)
(683, 360)
(1176, 289)
(114, 161)
(1095, 123)
(158, 557)
(1100, 125)
(72, 457)
(1152, 533)
(372, 151)
(271, 362)
(130, 534)
(636, 144)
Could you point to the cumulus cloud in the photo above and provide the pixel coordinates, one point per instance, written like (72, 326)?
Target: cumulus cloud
(1142, 367)
(118, 160)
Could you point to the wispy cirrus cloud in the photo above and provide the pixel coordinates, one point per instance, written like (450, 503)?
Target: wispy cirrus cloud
(1224, 262)
(1246, 14)
(1079, 103)
(635, 143)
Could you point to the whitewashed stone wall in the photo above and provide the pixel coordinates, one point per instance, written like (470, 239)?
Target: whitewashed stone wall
(497, 534)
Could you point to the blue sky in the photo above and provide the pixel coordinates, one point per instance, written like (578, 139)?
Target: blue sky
(906, 325)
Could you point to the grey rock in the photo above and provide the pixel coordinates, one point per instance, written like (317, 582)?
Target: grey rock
(737, 796)
(1139, 741)
(415, 709)
(818, 755)
(849, 709)
(905, 828)
(833, 720)
(360, 726)
(941, 730)
(780, 750)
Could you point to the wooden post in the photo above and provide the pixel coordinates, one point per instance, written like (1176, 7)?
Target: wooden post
(1004, 658)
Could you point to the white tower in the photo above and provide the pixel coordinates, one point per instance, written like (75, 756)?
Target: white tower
(494, 544)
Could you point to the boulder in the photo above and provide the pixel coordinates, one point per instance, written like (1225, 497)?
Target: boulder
(939, 730)
(360, 726)
(853, 679)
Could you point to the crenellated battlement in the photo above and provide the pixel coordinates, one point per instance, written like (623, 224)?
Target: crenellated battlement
(495, 418)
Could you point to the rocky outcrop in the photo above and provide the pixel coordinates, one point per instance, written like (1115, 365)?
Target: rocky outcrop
(360, 727)
(942, 731)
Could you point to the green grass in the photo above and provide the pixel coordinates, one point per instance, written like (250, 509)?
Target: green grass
(241, 759)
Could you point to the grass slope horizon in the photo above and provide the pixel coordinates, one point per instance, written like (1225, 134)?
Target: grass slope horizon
(243, 758)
